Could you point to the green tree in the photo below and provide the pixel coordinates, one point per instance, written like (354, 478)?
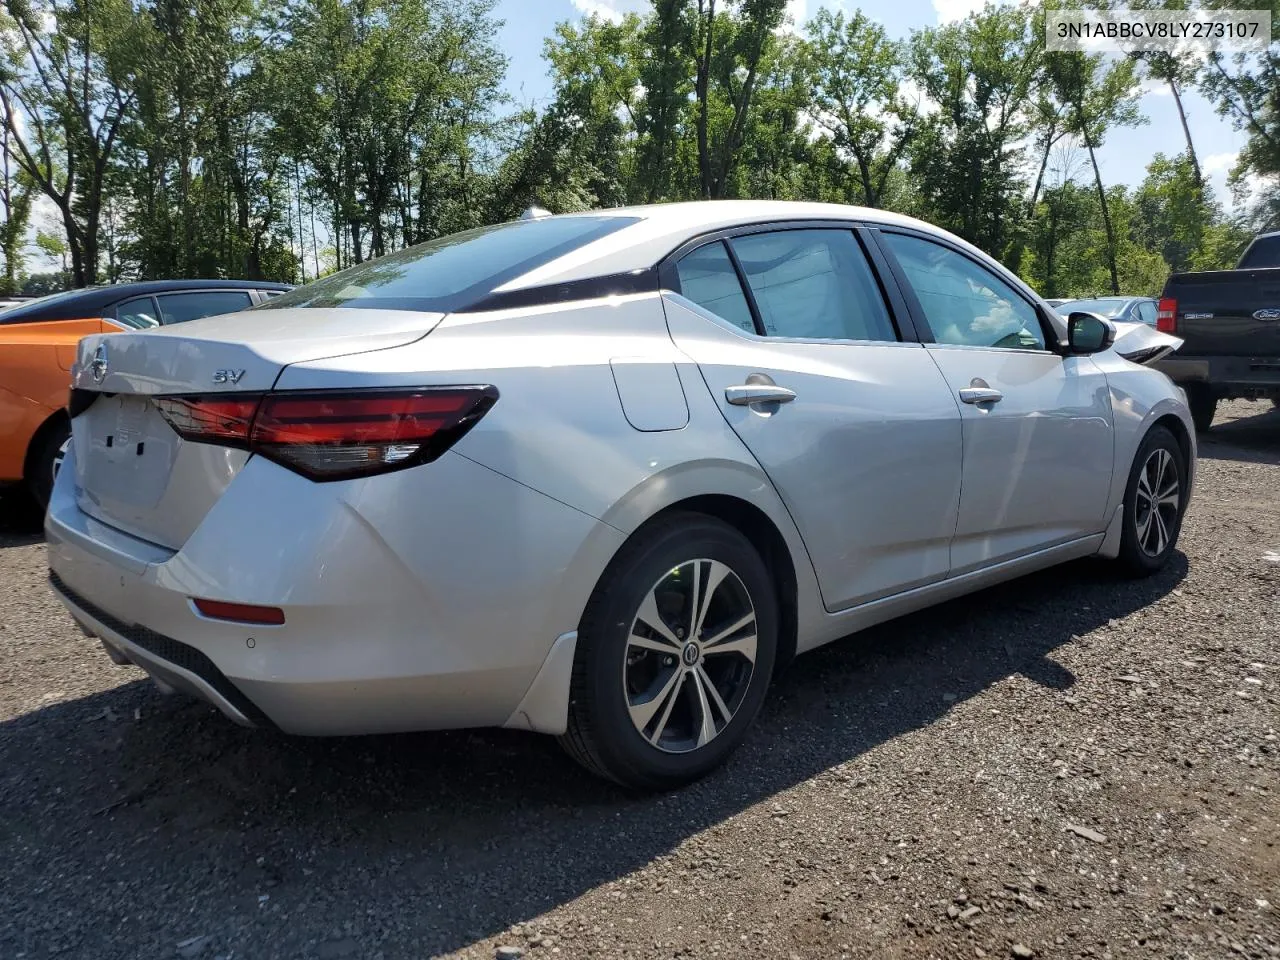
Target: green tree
(1097, 98)
(729, 48)
(1246, 89)
(16, 192)
(64, 94)
(981, 73)
(857, 80)
(1173, 211)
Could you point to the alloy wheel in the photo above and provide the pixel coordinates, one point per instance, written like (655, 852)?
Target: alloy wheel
(58, 457)
(1157, 503)
(690, 655)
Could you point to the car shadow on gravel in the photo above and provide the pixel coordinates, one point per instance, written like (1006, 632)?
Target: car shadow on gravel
(428, 843)
(1253, 439)
(21, 522)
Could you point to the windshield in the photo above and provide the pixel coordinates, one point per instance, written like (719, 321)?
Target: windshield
(1104, 308)
(450, 272)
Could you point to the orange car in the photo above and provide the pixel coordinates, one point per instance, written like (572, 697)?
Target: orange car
(38, 344)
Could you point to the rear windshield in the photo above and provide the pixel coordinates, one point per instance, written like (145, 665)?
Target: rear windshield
(450, 273)
(20, 311)
(1264, 252)
(1103, 308)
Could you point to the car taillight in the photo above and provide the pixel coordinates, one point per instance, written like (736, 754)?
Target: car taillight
(1167, 315)
(225, 420)
(335, 434)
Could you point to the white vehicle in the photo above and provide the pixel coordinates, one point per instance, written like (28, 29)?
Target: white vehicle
(597, 475)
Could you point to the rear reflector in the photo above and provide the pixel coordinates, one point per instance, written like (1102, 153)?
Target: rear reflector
(334, 434)
(1167, 315)
(240, 612)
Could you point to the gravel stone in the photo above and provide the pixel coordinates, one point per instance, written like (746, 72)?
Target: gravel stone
(130, 822)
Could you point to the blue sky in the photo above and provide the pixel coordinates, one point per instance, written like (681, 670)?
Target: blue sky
(1123, 158)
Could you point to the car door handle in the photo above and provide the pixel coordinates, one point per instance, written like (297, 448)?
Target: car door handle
(981, 395)
(746, 394)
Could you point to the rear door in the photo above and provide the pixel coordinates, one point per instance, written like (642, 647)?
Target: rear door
(844, 411)
(1037, 426)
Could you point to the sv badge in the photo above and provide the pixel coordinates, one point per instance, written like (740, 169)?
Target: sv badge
(227, 376)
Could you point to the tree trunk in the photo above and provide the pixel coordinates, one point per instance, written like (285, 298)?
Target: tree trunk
(1050, 285)
(702, 87)
(1050, 140)
(1106, 214)
(74, 247)
(1186, 131)
(864, 174)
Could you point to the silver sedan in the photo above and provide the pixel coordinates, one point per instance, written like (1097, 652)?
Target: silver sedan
(598, 475)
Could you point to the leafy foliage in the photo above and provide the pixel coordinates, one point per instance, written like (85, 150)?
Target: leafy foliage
(285, 139)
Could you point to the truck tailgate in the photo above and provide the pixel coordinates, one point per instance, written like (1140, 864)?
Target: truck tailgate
(1228, 313)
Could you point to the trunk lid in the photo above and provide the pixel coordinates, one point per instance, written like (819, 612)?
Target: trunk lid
(132, 471)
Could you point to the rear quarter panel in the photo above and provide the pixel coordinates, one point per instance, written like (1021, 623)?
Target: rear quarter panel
(559, 426)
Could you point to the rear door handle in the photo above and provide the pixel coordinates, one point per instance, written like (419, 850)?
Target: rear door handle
(981, 395)
(746, 394)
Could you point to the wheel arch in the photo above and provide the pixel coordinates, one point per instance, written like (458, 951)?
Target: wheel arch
(58, 418)
(1180, 433)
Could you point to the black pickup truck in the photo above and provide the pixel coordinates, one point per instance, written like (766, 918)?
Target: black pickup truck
(1229, 322)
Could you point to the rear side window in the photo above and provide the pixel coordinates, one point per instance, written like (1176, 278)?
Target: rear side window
(1264, 252)
(1147, 312)
(814, 284)
(181, 307)
(138, 313)
(708, 279)
(451, 272)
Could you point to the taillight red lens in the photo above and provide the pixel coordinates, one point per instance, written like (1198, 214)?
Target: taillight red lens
(1167, 315)
(225, 420)
(335, 434)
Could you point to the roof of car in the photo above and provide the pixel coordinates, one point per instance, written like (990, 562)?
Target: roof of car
(661, 227)
(74, 304)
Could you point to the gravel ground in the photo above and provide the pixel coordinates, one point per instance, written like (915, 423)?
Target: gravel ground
(1066, 766)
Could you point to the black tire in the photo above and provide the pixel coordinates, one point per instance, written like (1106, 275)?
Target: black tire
(1203, 406)
(40, 465)
(601, 734)
(1137, 557)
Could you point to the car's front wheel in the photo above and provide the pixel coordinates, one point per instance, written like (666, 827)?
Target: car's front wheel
(675, 653)
(1154, 501)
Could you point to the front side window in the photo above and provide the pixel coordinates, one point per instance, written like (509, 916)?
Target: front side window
(451, 272)
(707, 277)
(814, 284)
(181, 307)
(965, 303)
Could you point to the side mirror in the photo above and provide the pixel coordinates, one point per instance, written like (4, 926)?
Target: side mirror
(1088, 333)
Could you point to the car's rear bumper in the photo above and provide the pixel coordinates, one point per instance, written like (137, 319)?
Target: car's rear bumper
(380, 635)
(1225, 376)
